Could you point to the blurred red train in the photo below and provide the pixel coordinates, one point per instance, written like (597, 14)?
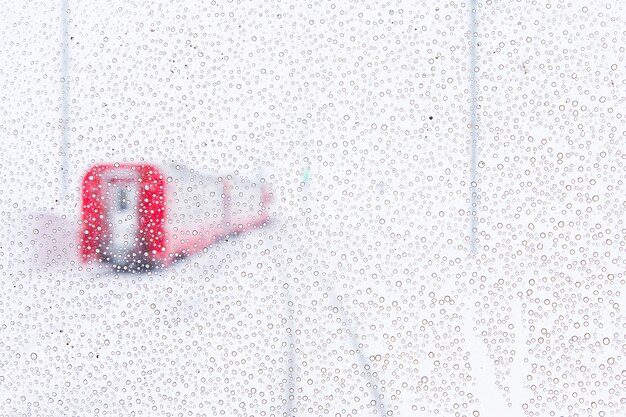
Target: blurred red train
(139, 216)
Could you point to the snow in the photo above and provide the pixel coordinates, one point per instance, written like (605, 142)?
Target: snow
(361, 297)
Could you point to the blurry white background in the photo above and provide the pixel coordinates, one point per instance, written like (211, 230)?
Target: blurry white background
(363, 296)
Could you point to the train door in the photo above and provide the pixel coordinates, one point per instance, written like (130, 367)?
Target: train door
(122, 245)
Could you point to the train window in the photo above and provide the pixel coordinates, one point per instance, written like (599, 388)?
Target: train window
(312, 208)
(122, 199)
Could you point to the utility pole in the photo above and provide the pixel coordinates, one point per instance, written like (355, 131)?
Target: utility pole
(473, 209)
(65, 103)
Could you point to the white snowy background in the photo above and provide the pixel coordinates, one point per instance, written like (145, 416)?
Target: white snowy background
(362, 297)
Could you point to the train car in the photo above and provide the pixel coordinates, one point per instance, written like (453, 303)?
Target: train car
(141, 216)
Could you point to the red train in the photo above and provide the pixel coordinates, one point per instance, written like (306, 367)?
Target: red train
(138, 216)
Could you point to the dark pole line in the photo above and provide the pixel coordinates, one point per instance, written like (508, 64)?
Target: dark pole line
(474, 129)
(65, 105)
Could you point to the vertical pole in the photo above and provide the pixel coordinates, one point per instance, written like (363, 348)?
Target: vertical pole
(65, 107)
(473, 212)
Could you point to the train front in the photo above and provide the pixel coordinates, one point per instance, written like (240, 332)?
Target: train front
(139, 216)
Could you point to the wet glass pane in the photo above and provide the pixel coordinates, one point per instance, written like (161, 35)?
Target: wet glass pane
(285, 208)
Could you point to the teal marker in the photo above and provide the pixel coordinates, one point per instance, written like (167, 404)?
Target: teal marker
(307, 175)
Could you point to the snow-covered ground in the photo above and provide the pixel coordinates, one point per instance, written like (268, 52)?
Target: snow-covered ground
(362, 296)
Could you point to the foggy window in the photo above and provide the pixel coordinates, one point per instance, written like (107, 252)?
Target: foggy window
(312, 208)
